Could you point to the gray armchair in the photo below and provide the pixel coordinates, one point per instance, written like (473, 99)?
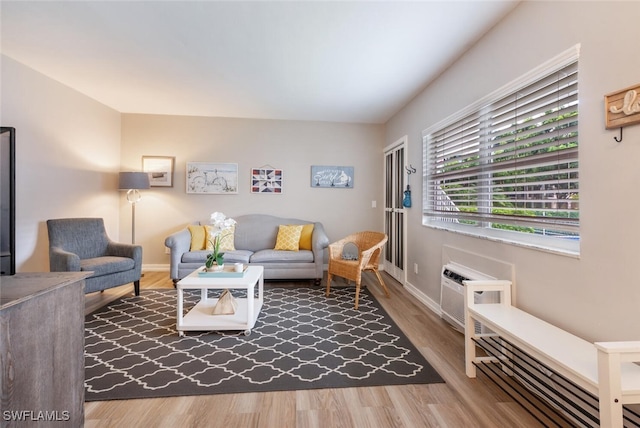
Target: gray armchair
(82, 244)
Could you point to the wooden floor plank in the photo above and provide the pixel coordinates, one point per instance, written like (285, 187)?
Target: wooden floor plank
(460, 402)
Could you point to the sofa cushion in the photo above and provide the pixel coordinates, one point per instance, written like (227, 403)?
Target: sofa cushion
(198, 237)
(237, 256)
(256, 232)
(288, 237)
(195, 256)
(274, 256)
(226, 238)
(107, 265)
(305, 237)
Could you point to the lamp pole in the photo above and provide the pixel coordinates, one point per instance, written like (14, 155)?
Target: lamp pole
(133, 196)
(132, 182)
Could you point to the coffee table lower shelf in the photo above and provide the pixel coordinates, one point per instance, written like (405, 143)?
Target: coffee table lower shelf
(199, 318)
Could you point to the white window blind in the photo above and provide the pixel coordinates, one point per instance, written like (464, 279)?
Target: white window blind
(511, 163)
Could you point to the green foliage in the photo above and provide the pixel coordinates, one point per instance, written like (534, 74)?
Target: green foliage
(519, 192)
(215, 256)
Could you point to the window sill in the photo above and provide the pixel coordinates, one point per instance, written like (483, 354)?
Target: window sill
(571, 248)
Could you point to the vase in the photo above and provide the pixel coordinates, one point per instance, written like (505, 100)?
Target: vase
(215, 268)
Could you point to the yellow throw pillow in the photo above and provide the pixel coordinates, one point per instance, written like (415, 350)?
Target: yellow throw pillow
(228, 236)
(288, 237)
(227, 242)
(305, 236)
(198, 237)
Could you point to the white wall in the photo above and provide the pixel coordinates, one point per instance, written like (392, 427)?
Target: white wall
(598, 295)
(67, 156)
(292, 146)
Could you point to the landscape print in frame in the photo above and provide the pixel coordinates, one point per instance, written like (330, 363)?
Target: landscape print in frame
(212, 178)
(160, 170)
(332, 176)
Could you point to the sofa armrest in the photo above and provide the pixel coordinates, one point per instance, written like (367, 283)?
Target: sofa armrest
(63, 261)
(319, 241)
(179, 243)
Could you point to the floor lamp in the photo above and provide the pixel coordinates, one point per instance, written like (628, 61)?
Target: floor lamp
(132, 182)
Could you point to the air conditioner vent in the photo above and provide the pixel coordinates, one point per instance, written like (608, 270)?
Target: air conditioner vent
(452, 293)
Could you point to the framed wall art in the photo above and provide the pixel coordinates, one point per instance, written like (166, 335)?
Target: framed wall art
(266, 180)
(160, 170)
(332, 176)
(212, 178)
(622, 108)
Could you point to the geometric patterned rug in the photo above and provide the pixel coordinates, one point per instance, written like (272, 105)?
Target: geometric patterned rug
(302, 340)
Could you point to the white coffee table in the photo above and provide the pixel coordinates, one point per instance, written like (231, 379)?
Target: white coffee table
(200, 317)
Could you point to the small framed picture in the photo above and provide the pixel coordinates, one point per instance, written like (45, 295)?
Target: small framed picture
(160, 170)
(334, 177)
(266, 180)
(622, 108)
(212, 178)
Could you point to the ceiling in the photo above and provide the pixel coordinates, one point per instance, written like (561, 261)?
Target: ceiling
(299, 60)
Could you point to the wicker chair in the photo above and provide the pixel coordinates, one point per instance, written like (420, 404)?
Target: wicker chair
(369, 246)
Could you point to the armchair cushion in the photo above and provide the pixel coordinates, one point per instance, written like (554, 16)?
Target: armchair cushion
(106, 265)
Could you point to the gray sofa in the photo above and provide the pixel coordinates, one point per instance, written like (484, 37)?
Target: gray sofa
(254, 240)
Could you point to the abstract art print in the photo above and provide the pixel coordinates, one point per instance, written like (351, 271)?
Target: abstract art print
(332, 176)
(266, 180)
(212, 178)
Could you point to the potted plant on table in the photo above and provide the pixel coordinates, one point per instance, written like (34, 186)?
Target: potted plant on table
(215, 259)
(221, 225)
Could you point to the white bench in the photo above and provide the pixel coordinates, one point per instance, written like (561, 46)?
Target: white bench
(605, 369)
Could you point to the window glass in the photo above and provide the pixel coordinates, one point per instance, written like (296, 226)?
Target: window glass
(507, 167)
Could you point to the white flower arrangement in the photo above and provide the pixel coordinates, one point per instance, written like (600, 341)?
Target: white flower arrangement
(221, 223)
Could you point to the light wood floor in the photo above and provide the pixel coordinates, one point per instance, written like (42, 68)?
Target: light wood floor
(460, 402)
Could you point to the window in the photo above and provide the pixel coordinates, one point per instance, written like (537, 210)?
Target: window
(507, 166)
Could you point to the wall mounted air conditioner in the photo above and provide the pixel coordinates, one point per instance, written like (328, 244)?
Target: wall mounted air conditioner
(452, 294)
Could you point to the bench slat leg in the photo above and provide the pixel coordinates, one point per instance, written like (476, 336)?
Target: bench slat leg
(469, 335)
(610, 395)
(470, 347)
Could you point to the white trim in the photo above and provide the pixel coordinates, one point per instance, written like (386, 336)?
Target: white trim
(554, 245)
(155, 268)
(554, 64)
(423, 298)
(401, 143)
(557, 246)
(403, 140)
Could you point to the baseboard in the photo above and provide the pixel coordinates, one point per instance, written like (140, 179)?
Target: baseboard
(155, 268)
(165, 268)
(423, 298)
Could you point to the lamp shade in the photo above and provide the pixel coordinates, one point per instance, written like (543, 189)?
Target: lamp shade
(133, 180)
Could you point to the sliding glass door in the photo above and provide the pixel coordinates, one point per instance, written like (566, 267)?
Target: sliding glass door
(394, 212)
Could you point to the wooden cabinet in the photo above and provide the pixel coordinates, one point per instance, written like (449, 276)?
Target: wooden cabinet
(42, 349)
